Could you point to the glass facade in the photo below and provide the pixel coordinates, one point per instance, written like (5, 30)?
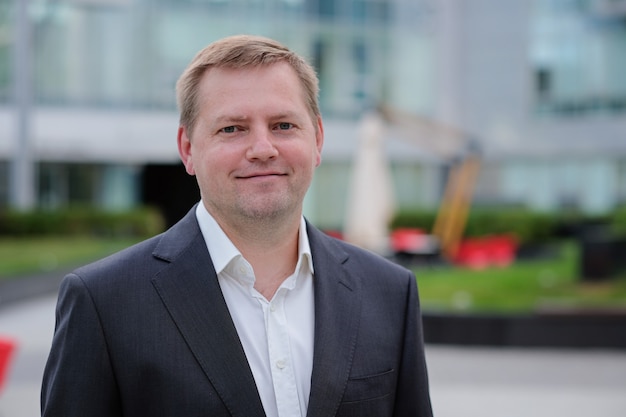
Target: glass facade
(123, 56)
(129, 53)
(103, 185)
(6, 49)
(578, 54)
(126, 55)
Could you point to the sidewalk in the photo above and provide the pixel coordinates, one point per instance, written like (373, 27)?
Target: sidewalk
(468, 382)
(25, 287)
(492, 382)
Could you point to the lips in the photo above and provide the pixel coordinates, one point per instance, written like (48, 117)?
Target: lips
(260, 175)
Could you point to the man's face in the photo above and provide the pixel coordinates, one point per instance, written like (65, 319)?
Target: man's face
(254, 146)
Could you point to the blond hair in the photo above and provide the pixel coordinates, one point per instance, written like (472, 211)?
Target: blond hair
(237, 52)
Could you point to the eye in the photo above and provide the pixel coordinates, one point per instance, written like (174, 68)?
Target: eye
(229, 129)
(284, 126)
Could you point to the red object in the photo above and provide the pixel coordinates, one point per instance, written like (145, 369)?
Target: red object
(472, 253)
(7, 348)
(334, 233)
(479, 253)
(407, 240)
(503, 250)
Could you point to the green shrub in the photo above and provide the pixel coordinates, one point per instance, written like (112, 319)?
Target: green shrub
(526, 225)
(421, 219)
(618, 221)
(82, 221)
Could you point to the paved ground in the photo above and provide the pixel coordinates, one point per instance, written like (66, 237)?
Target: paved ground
(468, 382)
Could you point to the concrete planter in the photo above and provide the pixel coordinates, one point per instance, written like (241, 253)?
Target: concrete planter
(560, 329)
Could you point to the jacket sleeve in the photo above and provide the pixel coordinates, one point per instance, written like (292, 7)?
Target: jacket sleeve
(78, 379)
(412, 393)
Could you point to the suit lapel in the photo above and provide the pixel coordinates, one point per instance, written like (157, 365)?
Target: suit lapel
(337, 307)
(190, 291)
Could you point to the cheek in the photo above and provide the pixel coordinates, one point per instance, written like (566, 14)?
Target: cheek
(211, 163)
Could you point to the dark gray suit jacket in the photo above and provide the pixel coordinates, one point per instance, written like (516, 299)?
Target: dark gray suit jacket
(146, 333)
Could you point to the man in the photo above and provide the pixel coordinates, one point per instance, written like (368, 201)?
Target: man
(242, 308)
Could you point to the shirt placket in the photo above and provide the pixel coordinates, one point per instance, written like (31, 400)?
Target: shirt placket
(281, 363)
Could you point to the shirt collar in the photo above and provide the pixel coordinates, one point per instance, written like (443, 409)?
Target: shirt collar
(223, 251)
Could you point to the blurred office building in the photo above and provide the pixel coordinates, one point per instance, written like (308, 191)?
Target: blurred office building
(88, 112)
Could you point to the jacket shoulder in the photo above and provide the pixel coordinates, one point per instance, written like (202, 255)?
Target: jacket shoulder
(132, 258)
(355, 258)
(146, 257)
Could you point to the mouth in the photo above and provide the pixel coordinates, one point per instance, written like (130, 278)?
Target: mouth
(261, 175)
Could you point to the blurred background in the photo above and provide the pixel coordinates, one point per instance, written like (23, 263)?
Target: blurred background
(87, 106)
(480, 142)
(447, 122)
(476, 134)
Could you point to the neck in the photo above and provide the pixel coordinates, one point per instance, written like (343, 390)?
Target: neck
(271, 248)
(272, 264)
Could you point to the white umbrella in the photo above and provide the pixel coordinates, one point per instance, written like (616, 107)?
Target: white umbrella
(370, 203)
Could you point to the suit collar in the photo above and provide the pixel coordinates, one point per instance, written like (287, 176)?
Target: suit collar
(223, 250)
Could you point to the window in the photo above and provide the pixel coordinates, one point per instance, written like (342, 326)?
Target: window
(577, 50)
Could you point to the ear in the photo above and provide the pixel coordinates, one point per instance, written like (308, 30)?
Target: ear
(319, 141)
(184, 150)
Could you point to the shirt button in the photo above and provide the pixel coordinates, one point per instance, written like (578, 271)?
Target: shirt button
(242, 269)
(272, 308)
(280, 364)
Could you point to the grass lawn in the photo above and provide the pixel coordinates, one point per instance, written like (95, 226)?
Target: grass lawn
(526, 286)
(20, 256)
(523, 287)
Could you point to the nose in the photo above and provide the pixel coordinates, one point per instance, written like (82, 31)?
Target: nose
(261, 146)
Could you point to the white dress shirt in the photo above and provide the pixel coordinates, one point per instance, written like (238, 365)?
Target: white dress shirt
(276, 334)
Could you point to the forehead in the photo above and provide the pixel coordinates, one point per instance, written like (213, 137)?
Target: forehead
(274, 79)
(241, 93)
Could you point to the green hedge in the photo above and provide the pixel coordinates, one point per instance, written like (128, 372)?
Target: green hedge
(618, 221)
(420, 219)
(528, 226)
(77, 221)
(525, 225)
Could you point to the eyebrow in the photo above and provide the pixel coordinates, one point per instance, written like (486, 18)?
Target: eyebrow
(238, 118)
(229, 119)
(285, 115)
